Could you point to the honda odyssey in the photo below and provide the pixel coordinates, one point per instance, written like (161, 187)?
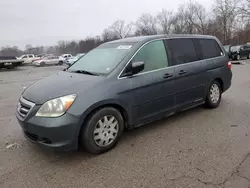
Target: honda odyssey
(121, 85)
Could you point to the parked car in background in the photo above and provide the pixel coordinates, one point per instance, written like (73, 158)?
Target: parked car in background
(240, 51)
(123, 84)
(64, 57)
(73, 59)
(10, 62)
(48, 60)
(27, 58)
(228, 50)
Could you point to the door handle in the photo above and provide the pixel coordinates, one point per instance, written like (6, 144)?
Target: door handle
(167, 75)
(182, 72)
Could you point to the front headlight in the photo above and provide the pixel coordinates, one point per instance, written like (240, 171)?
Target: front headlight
(56, 107)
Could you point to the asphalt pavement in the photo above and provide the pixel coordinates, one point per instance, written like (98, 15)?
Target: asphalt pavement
(197, 148)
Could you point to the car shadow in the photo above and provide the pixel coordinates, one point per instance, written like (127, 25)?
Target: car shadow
(128, 136)
(16, 69)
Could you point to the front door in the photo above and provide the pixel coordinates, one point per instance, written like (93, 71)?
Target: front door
(152, 90)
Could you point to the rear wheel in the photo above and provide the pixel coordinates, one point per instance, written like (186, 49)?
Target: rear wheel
(102, 130)
(60, 63)
(42, 64)
(214, 95)
(248, 57)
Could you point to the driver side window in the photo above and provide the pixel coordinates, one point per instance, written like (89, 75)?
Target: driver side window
(153, 55)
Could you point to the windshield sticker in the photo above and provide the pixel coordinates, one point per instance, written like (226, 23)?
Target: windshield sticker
(124, 47)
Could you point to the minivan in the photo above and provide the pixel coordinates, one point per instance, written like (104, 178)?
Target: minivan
(121, 85)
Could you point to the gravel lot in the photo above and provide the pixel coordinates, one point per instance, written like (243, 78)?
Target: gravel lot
(197, 148)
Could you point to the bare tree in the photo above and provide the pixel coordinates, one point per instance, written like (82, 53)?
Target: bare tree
(146, 25)
(245, 8)
(165, 20)
(10, 51)
(226, 12)
(197, 17)
(121, 29)
(179, 21)
(108, 35)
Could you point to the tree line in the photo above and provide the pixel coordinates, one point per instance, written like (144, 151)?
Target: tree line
(228, 20)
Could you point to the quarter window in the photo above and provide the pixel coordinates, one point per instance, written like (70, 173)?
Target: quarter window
(181, 51)
(153, 55)
(208, 48)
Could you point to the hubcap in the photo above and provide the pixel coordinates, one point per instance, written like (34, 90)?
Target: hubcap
(214, 93)
(106, 130)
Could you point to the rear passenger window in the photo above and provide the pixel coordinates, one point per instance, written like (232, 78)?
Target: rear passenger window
(208, 48)
(153, 55)
(181, 51)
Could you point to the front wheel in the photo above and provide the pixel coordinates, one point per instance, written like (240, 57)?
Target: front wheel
(214, 95)
(60, 62)
(102, 130)
(248, 57)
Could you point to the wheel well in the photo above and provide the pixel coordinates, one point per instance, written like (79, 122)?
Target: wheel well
(116, 106)
(221, 83)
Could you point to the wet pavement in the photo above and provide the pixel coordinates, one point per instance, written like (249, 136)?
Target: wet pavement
(197, 148)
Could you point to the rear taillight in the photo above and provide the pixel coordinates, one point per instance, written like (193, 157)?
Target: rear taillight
(229, 64)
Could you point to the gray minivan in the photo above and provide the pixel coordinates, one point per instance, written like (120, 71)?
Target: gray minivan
(123, 84)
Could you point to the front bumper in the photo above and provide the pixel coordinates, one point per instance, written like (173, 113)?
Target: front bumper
(59, 134)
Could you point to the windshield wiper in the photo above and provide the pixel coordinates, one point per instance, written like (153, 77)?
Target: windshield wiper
(86, 72)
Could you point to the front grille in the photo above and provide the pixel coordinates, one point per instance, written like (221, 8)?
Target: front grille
(24, 106)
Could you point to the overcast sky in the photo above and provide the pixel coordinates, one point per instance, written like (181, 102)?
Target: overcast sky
(44, 22)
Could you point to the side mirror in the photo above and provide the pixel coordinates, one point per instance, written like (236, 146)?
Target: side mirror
(134, 68)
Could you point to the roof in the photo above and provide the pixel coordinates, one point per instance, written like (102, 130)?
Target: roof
(152, 37)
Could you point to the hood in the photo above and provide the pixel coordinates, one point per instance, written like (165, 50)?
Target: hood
(60, 84)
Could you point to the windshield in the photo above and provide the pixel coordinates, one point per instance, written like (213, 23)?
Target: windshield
(235, 48)
(102, 60)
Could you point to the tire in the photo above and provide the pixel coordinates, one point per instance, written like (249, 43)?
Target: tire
(213, 98)
(42, 64)
(248, 57)
(95, 136)
(60, 63)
